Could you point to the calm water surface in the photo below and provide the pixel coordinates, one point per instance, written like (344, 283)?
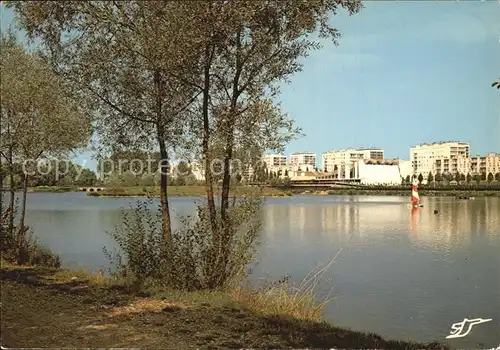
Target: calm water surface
(399, 273)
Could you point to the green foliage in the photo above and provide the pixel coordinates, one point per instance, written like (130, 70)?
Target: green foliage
(52, 172)
(190, 261)
(22, 247)
(490, 177)
(420, 178)
(38, 115)
(430, 178)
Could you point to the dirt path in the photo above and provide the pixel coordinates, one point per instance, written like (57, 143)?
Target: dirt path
(36, 314)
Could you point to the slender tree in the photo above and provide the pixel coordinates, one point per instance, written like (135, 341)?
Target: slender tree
(490, 177)
(469, 178)
(253, 47)
(41, 114)
(117, 57)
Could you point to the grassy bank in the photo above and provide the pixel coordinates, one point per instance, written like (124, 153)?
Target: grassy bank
(44, 307)
(53, 189)
(194, 191)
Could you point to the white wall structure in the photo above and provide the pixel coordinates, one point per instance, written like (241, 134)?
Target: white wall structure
(405, 168)
(379, 174)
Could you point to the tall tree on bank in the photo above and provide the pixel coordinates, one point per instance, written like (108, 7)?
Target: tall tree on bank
(247, 49)
(117, 56)
(41, 118)
(144, 64)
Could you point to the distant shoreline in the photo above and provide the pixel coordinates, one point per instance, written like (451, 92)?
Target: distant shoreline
(199, 191)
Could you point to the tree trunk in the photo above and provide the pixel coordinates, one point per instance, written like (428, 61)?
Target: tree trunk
(165, 212)
(1, 196)
(206, 143)
(12, 193)
(23, 209)
(226, 180)
(166, 225)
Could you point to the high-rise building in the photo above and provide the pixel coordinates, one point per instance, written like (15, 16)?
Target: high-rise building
(305, 161)
(443, 157)
(348, 157)
(486, 164)
(274, 160)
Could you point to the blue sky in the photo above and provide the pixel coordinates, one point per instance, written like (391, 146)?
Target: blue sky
(404, 73)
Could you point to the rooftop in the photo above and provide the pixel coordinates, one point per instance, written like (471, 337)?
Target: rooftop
(274, 155)
(356, 149)
(443, 143)
(301, 153)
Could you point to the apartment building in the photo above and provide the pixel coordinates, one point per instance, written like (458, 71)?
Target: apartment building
(305, 161)
(274, 160)
(440, 157)
(348, 157)
(485, 165)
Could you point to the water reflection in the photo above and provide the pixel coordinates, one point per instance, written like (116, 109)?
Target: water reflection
(455, 224)
(439, 267)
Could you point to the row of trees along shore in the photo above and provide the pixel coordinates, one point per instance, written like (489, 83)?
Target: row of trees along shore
(458, 177)
(173, 77)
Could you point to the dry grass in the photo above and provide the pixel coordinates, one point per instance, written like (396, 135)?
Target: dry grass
(145, 305)
(286, 299)
(278, 299)
(38, 310)
(84, 276)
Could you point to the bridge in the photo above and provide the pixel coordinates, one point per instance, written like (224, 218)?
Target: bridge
(91, 189)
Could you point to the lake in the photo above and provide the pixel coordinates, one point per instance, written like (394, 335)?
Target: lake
(400, 273)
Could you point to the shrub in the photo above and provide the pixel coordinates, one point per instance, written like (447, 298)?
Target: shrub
(190, 261)
(23, 248)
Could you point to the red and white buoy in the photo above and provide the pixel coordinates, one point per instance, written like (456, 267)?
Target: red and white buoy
(415, 199)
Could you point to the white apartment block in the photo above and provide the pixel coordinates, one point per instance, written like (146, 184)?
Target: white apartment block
(347, 157)
(485, 165)
(442, 157)
(305, 161)
(274, 160)
(275, 163)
